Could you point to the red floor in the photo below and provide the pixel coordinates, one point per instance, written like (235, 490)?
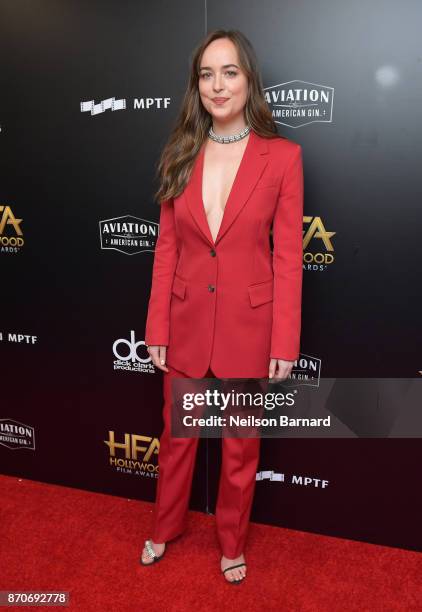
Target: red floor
(55, 537)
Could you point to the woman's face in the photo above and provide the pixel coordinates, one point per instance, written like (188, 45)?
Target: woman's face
(223, 86)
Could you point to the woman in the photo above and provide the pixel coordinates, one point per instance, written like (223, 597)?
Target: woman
(221, 304)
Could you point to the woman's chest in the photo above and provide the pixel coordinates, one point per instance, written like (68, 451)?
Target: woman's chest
(218, 177)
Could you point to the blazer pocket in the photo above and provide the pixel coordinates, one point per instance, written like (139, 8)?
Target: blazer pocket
(261, 293)
(267, 183)
(179, 287)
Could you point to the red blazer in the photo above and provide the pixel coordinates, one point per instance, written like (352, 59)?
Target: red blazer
(233, 304)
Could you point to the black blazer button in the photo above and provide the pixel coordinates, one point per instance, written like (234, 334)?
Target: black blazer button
(211, 288)
(213, 253)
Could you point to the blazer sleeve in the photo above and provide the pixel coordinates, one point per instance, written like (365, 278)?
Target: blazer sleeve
(165, 260)
(288, 262)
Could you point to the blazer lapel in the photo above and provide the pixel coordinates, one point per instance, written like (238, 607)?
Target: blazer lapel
(254, 160)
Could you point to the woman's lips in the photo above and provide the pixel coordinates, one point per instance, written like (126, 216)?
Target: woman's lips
(219, 100)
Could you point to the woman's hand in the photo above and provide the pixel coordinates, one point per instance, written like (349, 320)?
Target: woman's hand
(282, 371)
(158, 356)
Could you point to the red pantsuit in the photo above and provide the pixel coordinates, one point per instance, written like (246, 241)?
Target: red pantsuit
(228, 306)
(176, 462)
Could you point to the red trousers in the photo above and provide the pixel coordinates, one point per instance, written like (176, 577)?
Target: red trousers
(176, 461)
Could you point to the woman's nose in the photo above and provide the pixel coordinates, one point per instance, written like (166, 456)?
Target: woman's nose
(217, 83)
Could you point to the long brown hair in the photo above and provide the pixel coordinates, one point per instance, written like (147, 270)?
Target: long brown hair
(192, 124)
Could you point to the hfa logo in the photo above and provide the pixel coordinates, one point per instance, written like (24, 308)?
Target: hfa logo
(321, 239)
(136, 454)
(299, 103)
(316, 230)
(11, 235)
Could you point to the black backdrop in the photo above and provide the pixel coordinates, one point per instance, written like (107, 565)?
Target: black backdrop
(78, 226)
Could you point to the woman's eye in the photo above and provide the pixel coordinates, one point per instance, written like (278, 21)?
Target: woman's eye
(231, 73)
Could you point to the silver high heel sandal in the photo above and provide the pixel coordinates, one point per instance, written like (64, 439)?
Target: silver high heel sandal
(151, 553)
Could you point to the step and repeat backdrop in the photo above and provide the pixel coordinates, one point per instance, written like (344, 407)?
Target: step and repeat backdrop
(89, 92)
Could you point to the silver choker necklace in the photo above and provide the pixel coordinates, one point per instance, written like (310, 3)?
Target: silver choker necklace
(227, 139)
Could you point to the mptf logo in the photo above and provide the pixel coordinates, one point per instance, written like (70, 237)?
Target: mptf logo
(109, 104)
(142, 104)
(129, 235)
(299, 103)
(11, 235)
(127, 358)
(294, 479)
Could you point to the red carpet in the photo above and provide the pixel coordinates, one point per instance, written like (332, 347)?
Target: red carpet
(54, 537)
